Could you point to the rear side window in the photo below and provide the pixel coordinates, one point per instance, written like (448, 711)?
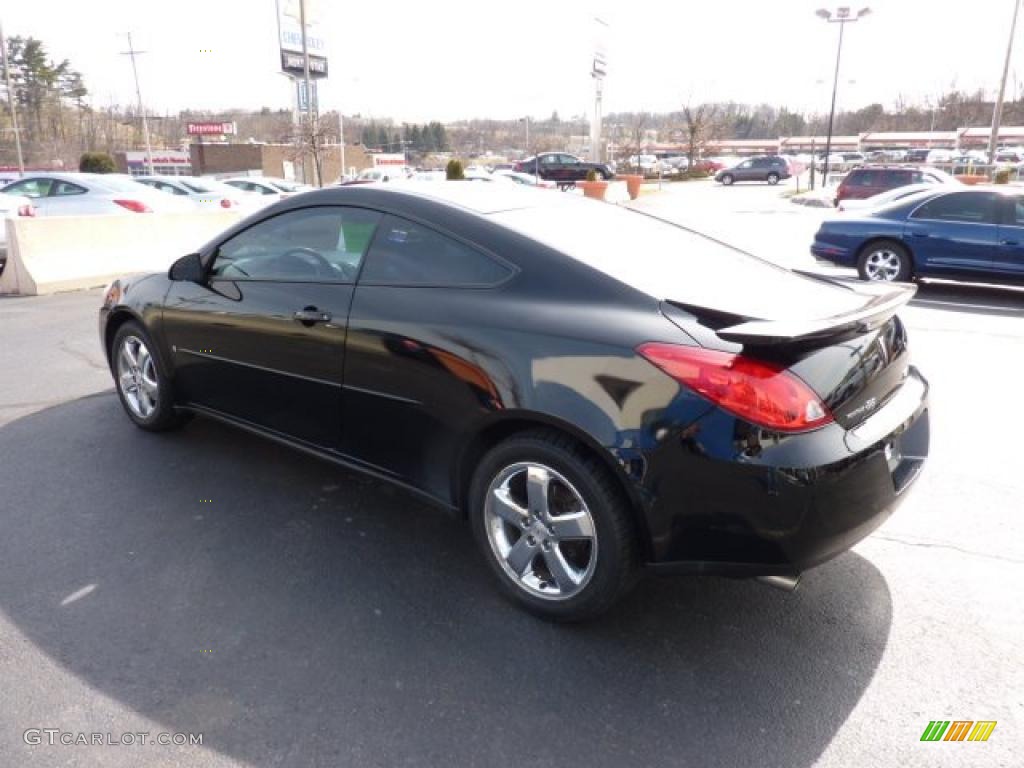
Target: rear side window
(865, 179)
(895, 178)
(963, 207)
(1018, 211)
(405, 253)
(65, 188)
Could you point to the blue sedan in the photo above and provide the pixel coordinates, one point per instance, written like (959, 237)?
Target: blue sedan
(970, 234)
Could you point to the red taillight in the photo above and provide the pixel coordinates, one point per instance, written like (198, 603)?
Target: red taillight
(26, 210)
(226, 203)
(134, 205)
(763, 393)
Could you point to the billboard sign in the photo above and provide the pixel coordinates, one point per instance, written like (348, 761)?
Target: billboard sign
(291, 63)
(289, 15)
(388, 158)
(300, 87)
(211, 129)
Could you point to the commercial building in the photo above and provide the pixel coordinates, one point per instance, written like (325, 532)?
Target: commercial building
(279, 160)
(166, 162)
(960, 139)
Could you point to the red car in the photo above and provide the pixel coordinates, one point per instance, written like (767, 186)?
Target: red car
(861, 183)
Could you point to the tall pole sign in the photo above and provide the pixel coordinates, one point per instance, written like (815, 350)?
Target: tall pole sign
(303, 59)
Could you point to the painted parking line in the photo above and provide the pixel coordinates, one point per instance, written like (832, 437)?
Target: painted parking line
(963, 304)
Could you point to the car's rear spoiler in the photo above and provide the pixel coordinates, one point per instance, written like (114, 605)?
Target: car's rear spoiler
(884, 300)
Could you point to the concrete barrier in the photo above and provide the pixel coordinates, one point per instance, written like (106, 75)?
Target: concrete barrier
(61, 253)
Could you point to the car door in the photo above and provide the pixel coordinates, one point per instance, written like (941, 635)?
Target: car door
(1010, 256)
(417, 362)
(745, 171)
(572, 169)
(955, 232)
(262, 339)
(37, 189)
(551, 168)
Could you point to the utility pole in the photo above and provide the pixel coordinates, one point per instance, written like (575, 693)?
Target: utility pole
(10, 102)
(138, 93)
(309, 93)
(341, 141)
(997, 111)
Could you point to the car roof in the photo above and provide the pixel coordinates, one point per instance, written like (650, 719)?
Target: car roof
(477, 198)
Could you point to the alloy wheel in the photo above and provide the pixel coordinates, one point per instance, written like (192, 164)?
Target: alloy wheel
(540, 530)
(883, 265)
(136, 377)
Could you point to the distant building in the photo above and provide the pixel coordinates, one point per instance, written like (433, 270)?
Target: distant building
(277, 160)
(166, 162)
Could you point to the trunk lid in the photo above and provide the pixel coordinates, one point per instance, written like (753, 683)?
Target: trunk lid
(854, 358)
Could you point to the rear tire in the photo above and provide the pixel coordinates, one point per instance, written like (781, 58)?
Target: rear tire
(554, 526)
(885, 261)
(773, 178)
(142, 385)
(727, 180)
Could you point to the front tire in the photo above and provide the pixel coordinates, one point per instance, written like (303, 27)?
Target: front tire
(144, 389)
(727, 180)
(884, 261)
(554, 526)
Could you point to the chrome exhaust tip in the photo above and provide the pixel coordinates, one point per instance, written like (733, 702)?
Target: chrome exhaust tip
(785, 583)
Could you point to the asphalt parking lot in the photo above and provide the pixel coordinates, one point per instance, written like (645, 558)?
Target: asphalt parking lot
(296, 614)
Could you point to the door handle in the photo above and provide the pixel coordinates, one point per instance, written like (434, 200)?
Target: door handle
(1008, 242)
(311, 316)
(920, 234)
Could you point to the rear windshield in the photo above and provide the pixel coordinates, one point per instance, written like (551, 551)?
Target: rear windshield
(669, 262)
(195, 186)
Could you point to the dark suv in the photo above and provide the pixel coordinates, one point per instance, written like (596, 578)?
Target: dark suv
(868, 182)
(770, 168)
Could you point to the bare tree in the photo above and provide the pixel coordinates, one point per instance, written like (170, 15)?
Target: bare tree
(698, 127)
(634, 137)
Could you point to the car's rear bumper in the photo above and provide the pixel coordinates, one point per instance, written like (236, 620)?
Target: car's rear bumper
(768, 504)
(834, 254)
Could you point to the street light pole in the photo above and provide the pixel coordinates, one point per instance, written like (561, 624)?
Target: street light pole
(841, 17)
(997, 111)
(138, 94)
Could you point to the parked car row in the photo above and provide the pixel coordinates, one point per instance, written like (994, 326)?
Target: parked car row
(76, 194)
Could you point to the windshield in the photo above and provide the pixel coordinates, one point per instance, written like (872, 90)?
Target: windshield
(669, 262)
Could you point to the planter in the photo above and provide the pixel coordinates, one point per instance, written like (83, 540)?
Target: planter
(593, 189)
(972, 178)
(633, 182)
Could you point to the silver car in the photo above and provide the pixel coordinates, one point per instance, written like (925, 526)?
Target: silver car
(203, 193)
(88, 194)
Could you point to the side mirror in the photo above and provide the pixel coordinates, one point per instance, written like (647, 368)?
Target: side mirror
(188, 268)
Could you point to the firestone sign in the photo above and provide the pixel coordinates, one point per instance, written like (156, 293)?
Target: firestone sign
(211, 129)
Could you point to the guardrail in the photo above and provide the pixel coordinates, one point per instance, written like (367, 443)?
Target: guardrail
(48, 254)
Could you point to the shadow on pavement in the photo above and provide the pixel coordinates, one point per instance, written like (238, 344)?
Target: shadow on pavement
(973, 298)
(305, 615)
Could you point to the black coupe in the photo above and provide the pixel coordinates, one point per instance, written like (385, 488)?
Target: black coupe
(598, 391)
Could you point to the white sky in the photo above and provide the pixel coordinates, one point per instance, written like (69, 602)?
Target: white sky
(439, 59)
